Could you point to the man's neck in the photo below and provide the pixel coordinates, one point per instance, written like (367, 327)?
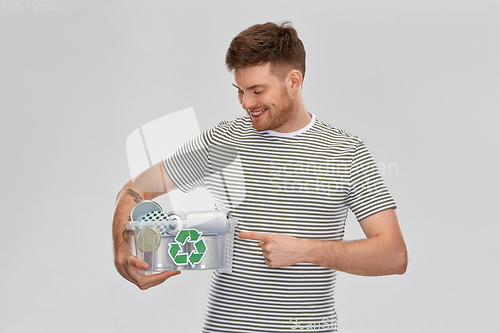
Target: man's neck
(300, 119)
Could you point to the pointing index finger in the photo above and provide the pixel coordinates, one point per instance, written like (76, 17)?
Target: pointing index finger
(259, 236)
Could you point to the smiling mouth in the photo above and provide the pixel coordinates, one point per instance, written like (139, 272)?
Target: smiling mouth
(257, 114)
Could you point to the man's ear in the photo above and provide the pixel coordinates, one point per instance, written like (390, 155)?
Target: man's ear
(294, 80)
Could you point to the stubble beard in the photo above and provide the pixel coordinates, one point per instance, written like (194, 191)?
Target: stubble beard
(278, 114)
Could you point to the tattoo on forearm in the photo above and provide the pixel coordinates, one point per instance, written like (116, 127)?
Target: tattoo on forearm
(126, 237)
(137, 197)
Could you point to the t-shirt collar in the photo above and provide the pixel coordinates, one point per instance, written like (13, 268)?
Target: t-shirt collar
(292, 134)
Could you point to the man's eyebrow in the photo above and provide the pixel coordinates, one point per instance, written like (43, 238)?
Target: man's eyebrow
(260, 85)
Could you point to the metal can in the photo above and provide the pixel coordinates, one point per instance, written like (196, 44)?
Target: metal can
(148, 239)
(142, 208)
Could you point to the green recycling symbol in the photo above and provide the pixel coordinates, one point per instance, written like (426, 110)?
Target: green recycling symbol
(190, 236)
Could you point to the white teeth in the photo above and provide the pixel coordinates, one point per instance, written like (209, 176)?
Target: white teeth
(257, 113)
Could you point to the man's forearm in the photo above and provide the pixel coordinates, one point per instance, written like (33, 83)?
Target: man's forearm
(377, 255)
(150, 184)
(125, 201)
(383, 252)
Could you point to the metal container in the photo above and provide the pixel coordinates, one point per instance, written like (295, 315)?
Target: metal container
(148, 239)
(142, 208)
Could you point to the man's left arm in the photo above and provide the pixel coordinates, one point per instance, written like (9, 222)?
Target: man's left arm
(383, 252)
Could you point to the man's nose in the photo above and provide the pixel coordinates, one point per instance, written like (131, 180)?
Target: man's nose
(247, 102)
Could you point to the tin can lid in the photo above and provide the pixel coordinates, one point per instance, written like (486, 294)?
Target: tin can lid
(148, 239)
(176, 216)
(142, 208)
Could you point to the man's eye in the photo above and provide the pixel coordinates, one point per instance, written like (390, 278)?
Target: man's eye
(258, 92)
(240, 92)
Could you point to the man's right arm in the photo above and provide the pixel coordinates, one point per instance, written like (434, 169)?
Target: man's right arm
(148, 185)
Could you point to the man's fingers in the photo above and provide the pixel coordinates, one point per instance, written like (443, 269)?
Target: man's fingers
(146, 282)
(259, 236)
(165, 275)
(142, 281)
(137, 263)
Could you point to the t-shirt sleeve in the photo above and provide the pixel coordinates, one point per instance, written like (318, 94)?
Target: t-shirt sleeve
(368, 193)
(188, 164)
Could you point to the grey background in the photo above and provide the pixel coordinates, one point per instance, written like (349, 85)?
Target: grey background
(418, 80)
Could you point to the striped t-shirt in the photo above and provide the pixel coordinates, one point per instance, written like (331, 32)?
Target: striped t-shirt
(300, 184)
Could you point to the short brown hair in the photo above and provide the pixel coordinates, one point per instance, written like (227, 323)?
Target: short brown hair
(268, 43)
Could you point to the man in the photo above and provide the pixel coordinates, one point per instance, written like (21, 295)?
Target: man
(300, 178)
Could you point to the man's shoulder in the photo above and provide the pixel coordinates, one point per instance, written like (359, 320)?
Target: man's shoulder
(329, 132)
(239, 125)
(238, 121)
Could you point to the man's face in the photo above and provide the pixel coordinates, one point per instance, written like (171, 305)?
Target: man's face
(265, 98)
